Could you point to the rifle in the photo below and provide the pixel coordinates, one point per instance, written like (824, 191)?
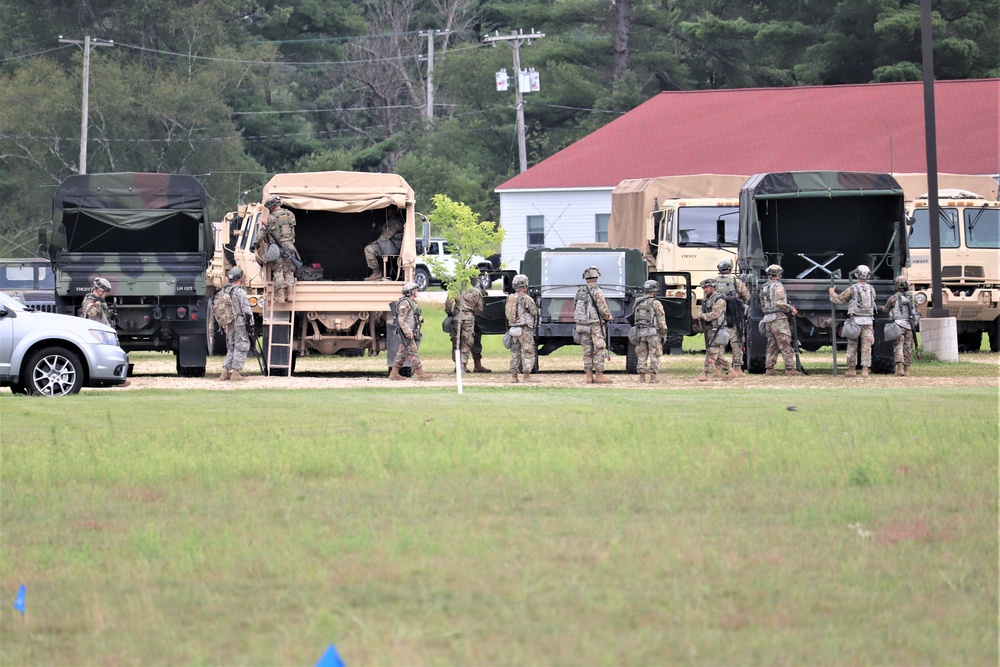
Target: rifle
(285, 251)
(913, 323)
(795, 344)
(253, 352)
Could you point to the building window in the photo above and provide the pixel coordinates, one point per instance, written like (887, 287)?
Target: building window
(536, 231)
(601, 227)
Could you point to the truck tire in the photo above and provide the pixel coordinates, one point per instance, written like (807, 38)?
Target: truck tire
(484, 281)
(53, 371)
(422, 277)
(883, 365)
(673, 342)
(994, 332)
(631, 360)
(970, 341)
(756, 365)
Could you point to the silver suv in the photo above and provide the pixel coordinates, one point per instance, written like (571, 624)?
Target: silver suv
(47, 354)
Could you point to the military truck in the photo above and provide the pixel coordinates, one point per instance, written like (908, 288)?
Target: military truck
(150, 236)
(969, 232)
(333, 310)
(819, 226)
(30, 281)
(683, 224)
(555, 274)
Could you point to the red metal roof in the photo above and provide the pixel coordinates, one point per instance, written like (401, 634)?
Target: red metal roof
(870, 127)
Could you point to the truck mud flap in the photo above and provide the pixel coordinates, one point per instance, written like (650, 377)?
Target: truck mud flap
(191, 355)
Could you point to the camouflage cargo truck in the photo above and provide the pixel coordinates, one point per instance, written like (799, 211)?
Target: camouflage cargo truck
(150, 236)
(333, 309)
(819, 226)
(555, 274)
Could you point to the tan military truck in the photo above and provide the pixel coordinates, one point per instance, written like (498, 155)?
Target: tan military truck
(682, 224)
(333, 309)
(969, 231)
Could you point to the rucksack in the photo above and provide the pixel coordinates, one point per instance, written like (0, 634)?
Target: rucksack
(734, 309)
(644, 316)
(223, 307)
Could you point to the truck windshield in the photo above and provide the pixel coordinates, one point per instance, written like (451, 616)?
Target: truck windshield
(698, 225)
(920, 232)
(982, 227)
(561, 272)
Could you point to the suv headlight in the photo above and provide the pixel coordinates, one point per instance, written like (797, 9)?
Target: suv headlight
(104, 337)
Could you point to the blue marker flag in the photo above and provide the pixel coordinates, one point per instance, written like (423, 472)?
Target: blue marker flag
(19, 601)
(331, 658)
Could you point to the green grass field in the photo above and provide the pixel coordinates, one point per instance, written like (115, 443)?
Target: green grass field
(556, 526)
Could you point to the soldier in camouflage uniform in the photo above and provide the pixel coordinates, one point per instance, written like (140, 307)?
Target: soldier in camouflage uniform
(591, 312)
(775, 305)
(713, 314)
(862, 310)
(464, 309)
(408, 320)
(521, 311)
(728, 285)
(391, 236)
(94, 307)
(477, 341)
(239, 331)
(651, 324)
(281, 222)
(902, 309)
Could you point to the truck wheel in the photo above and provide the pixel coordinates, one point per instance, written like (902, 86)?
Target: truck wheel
(673, 342)
(883, 365)
(756, 365)
(422, 277)
(994, 332)
(53, 371)
(631, 360)
(484, 281)
(970, 341)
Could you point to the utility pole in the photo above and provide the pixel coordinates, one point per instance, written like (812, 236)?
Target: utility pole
(430, 68)
(516, 39)
(85, 121)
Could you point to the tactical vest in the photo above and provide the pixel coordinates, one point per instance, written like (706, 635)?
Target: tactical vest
(413, 319)
(105, 313)
(585, 308)
(725, 284)
(707, 306)
(902, 307)
(283, 225)
(768, 301)
(644, 314)
(862, 300)
(523, 317)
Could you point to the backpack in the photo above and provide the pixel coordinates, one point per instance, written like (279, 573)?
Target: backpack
(734, 309)
(644, 316)
(223, 308)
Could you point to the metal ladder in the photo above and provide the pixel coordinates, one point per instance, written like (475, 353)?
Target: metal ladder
(279, 335)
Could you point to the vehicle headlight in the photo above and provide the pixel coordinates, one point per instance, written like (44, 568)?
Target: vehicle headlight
(921, 298)
(104, 337)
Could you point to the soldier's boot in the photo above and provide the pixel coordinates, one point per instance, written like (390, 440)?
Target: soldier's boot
(792, 371)
(652, 378)
(465, 368)
(376, 274)
(421, 374)
(394, 374)
(703, 377)
(906, 370)
(589, 377)
(864, 371)
(717, 375)
(514, 378)
(731, 375)
(851, 373)
(899, 369)
(528, 378)
(234, 376)
(600, 379)
(225, 375)
(736, 372)
(288, 294)
(770, 371)
(477, 367)
(642, 377)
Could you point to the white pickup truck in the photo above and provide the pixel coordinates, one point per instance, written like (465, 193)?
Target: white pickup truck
(437, 248)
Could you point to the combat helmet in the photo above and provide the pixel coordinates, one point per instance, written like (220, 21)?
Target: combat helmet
(902, 283)
(591, 273)
(649, 286)
(409, 289)
(775, 270)
(726, 266)
(235, 273)
(102, 284)
(708, 282)
(520, 281)
(272, 201)
(862, 272)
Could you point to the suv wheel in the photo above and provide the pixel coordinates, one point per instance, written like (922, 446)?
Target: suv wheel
(422, 278)
(53, 371)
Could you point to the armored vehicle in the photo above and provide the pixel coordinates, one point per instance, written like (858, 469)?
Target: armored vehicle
(555, 274)
(150, 236)
(819, 226)
(332, 309)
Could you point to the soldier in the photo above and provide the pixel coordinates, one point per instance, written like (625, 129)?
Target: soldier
(730, 287)
(775, 305)
(464, 309)
(862, 311)
(651, 323)
(389, 242)
(902, 310)
(591, 312)
(713, 314)
(94, 307)
(281, 222)
(477, 341)
(521, 311)
(239, 331)
(408, 323)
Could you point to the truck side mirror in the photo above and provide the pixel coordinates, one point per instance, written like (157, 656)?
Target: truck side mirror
(720, 231)
(43, 246)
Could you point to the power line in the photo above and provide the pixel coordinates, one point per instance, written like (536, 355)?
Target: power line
(36, 53)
